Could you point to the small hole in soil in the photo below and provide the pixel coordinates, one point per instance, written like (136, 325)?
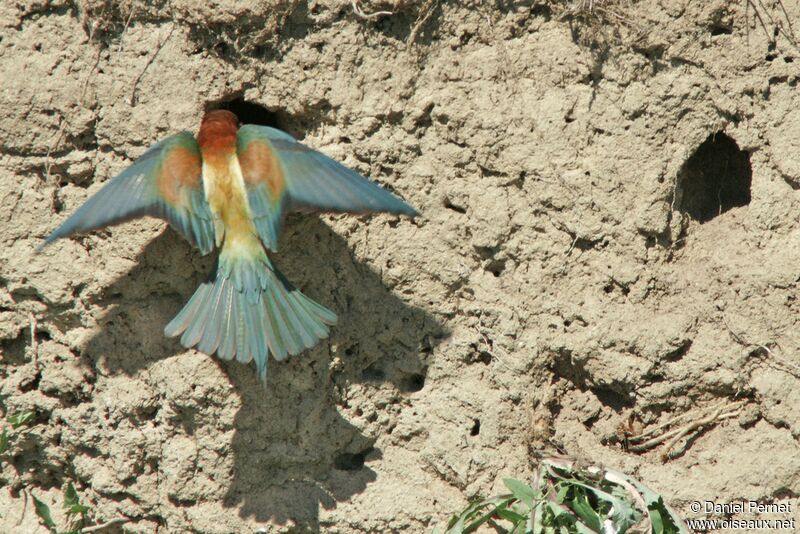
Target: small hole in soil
(784, 493)
(251, 113)
(31, 385)
(412, 383)
(350, 461)
(679, 352)
(373, 374)
(476, 427)
(13, 351)
(714, 179)
(613, 399)
(447, 203)
(496, 267)
(221, 48)
(589, 423)
(719, 29)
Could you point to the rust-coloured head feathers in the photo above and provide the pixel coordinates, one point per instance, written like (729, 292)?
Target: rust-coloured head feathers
(218, 131)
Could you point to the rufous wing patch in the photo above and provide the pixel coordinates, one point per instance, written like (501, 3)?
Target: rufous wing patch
(259, 165)
(180, 167)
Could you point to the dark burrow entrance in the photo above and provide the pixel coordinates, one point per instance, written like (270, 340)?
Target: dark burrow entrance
(250, 113)
(714, 179)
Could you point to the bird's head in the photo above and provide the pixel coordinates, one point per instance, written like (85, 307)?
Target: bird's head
(218, 131)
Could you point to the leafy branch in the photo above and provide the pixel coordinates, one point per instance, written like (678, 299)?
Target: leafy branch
(566, 498)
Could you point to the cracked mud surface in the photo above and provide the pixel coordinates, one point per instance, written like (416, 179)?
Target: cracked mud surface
(557, 286)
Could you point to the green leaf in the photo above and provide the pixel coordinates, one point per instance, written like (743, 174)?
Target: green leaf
(19, 419)
(583, 509)
(70, 496)
(457, 527)
(668, 520)
(523, 492)
(43, 511)
(559, 512)
(510, 515)
(671, 523)
(581, 528)
(624, 514)
(77, 509)
(495, 504)
(4, 441)
(474, 515)
(656, 521)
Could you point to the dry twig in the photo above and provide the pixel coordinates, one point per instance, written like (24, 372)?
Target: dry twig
(34, 341)
(147, 65)
(425, 13)
(714, 417)
(699, 420)
(366, 16)
(778, 26)
(95, 528)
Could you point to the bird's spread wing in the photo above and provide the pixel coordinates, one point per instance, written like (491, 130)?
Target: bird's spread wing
(165, 182)
(283, 175)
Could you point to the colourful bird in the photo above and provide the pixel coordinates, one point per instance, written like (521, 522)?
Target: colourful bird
(228, 190)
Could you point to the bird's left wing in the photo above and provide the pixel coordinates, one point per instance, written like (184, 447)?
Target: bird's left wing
(165, 182)
(283, 175)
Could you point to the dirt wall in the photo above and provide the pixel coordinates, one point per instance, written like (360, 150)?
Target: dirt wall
(608, 240)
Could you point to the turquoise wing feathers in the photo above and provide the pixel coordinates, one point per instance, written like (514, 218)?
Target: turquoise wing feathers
(249, 311)
(283, 175)
(165, 182)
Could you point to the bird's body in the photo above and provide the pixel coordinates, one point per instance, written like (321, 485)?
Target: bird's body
(223, 185)
(228, 190)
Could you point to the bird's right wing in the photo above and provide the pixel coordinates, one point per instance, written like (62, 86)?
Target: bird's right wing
(165, 182)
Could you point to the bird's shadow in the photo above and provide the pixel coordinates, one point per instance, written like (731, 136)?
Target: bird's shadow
(293, 451)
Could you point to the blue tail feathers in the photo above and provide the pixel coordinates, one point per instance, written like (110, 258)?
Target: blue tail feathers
(249, 311)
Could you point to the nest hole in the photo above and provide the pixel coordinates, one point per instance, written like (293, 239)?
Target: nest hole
(251, 113)
(476, 427)
(716, 178)
(351, 461)
(412, 383)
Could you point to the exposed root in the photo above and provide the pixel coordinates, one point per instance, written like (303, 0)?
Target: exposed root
(678, 428)
(34, 342)
(425, 13)
(95, 528)
(772, 25)
(360, 13)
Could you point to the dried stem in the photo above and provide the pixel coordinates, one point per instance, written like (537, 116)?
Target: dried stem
(366, 16)
(147, 65)
(95, 528)
(705, 417)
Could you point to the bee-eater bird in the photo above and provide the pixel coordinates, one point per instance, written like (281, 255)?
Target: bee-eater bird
(228, 190)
